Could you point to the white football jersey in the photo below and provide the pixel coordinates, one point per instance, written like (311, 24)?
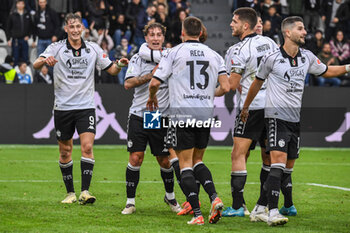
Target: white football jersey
(139, 67)
(244, 58)
(192, 71)
(74, 73)
(285, 81)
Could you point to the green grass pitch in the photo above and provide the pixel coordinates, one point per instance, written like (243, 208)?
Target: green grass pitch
(31, 189)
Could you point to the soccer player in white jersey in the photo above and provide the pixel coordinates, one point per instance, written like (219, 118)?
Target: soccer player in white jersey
(242, 60)
(192, 70)
(74, 62)
(138, 75)
(285, 70)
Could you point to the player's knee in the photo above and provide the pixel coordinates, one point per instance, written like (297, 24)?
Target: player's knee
(163, 161)
(66, 152)
(86, 149)
(136, 159)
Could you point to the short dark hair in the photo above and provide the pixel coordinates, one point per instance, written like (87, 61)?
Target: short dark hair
(248, 15)
(70, 16)
(289, 21)
(192, 26)
(154, 25)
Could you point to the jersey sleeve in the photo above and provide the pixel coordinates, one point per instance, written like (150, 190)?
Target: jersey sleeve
(149, 54)
(222, 66)
(237, 61)
(316, 66)
(265, 67)
(102, 60)
(165, 68)
(51, 50)
(134, 67)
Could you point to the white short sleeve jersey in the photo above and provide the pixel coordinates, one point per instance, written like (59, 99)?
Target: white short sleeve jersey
(244, 58)
(74, 73)
(139, 67)
(192, 70)
(285, 81)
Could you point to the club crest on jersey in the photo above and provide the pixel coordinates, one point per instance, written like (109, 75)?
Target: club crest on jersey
(87, 50)
(294, 62)
(76, 53)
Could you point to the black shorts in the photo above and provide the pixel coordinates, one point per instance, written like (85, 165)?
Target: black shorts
(262, 141)
(84, 120)
(138, 137)
(253, 128)
(283, 136)
(191, 137)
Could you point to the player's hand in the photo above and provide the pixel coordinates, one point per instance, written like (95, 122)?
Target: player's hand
(122, 62)
(244, 114)
(152, 103)
(51, 61)
(239, 89)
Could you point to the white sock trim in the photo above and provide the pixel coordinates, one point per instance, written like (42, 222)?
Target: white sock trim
(133, 168)
(185, 169)
(65, 165)
(130, 201)
(170, 196)
(288, 170)
(278, 165)
(173, 161)
(168, 170)
(239, 173)
(88, 160)
(199, 163)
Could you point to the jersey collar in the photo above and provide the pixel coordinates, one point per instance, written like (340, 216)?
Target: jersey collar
(250, 35)
(192, 41)
(83, 45)
(293, 61)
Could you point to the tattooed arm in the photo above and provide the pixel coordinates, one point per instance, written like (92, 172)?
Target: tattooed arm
(137, 81)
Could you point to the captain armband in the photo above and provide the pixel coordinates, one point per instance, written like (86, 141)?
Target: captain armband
(237, 70)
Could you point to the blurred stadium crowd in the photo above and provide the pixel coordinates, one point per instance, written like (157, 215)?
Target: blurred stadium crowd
(27, 27)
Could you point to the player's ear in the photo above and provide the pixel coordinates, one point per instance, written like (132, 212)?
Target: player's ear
(65, 28)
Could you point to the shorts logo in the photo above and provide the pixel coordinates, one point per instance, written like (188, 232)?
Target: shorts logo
(151, 120)
(58, 133)
(281, 143)
(91, 127)
(130, 143)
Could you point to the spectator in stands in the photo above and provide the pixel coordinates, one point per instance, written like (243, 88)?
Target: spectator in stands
(274, 18)
(119, 29)
(85, 22)
(343, 18)
(19, 29)
(46, 24)
(340, 48)
(296, 7)
(8, 74)
(315, 42)
(176, 28)
(132, 12)
(124, 50)
(4, 13)
(141, 20)
(328, 12)
(43, 76)
(98, 12)
(162, 18)
(327, 58)
(312, 17)
(175, 6)
(105, 41)
(90, 34)
(23, 77)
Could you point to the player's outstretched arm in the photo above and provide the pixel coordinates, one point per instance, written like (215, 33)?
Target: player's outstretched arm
(41, 61)
(117, 66)
(224, 86)
(152, 102)
(252, 92)
(335, 71)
